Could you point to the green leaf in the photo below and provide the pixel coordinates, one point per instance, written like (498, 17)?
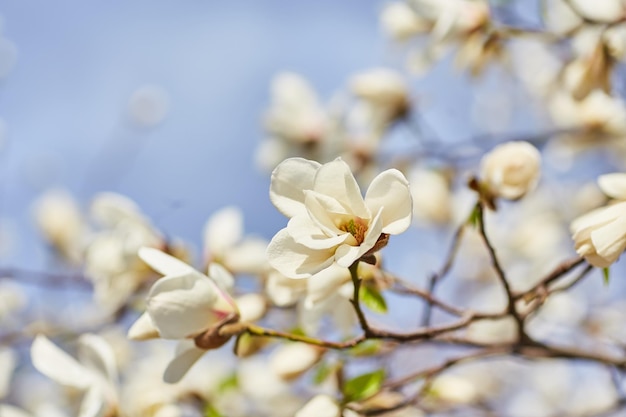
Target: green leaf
(210, 411)
(474, 217)
(322, 372)
(373, 299)
(228, 383)
(605, 274)
(363, 386)
(367, 348)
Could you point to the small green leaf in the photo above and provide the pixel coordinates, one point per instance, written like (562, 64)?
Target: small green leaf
(605, 274)
(228, 383)
(322, 372)
(363, 386)
(474, 217)
(373, 299)
(367, 348)
(210, 411)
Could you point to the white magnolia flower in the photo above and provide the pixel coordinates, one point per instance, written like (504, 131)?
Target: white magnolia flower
(185, 305)
(59, 219)
(401, 22)
(432, 200)
(94, 373)
(600, 10)
(330, 221)
(111, 261)
(385, 90)
(511, 170)
(290, 360)
(600, 235)
(225, 244)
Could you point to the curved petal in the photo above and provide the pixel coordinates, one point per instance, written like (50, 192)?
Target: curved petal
(289, 179)
(324, 212)
(613, 185)
(325, 283)
(305, 232)
(345, 255)
(57, 365)
(186, 355)
(143, 328)
(93, 404)
(390, 189)
(610, 239)
(597, 217)
(163, 263)
(10, 411)
(294, 260)
(97, 354)
(248, 257)
(182, 306)
(223, 230)
(335, 179)
(224, 283)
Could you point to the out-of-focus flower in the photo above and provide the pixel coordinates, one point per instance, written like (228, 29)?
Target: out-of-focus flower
(600, 10)
(432, 200)
(600, 235)
(111, 261)
(385, 90)
(401, 22)
(330, 221)
(185, 305)
(224, 243)
(95, 372)
(291, 360)
(454, 389)
(320, 406)
(511, 170)
(8, 361)
(560, 17)
(59, 219)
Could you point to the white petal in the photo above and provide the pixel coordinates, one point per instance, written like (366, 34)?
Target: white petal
(290, 360)
(223, 230)
(288, 180)
(320, 406)
(610, 239)
(601, 10)
(390, 189)
(163, 263)
(248, 257)
(182, 306)
(305, 232)
(96, 353)
(10, 411)
(57, 365)
(252, 307)
(345, 255)
(335, 179)
(613, 185)
(8, 361)
(598, 217)
(93, 404)
(325, 283)
(221, 277)
(186, 355)
(294, 260)
(143, 328)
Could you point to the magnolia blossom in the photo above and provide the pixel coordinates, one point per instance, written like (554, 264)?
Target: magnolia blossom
(188, 306)
(94, 373)
(330, 221)
(511, 170)
(600, 235)
(385, 90)
(320, 406)
(291, 360)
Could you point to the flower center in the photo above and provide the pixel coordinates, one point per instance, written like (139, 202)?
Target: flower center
(356, 228)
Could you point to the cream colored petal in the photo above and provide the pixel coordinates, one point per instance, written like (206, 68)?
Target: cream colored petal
(610, 239)
(143, 328)
(10, 411)
(294, 260)
(325, 283)
(345, 255)
(96, 353)
(598, 217)
(93, 404)
(390, 189)
(223, 230)
(163, 263)
(252, 307)
(613, 185)
(335, 179)
(182, 306)
(289, 179)
(186, 355)
(221, 277)
(305, 232)
(600, 10)
(290, 360)
(320, 406)
(248, 257)
(322, 211)
(57, 365)
(8, 361)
